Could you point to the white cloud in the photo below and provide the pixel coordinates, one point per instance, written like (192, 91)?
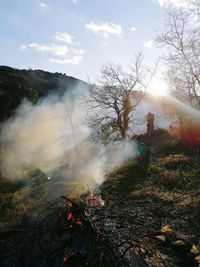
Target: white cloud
(149, 44)
(174, 3)
(106, 29)
(133, 29)
(74, 58)
(57, 50)
(61, 54)
(75, 1)
(64, 37)
(44, 6)
(23, 47)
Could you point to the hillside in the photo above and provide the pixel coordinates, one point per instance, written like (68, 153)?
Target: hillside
(16, 85)
(159, 202)
(151, 212)
(144, 212)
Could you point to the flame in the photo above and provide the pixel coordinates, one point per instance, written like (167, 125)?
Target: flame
(94, 200)
(79, 222)
(70, 216)
(67, 256)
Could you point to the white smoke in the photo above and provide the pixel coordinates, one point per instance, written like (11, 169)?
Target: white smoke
(53, 133)
(155, 105)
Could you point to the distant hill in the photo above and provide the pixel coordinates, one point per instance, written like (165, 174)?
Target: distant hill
(16, 85)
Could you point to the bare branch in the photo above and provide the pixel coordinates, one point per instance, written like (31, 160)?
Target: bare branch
(114, 98)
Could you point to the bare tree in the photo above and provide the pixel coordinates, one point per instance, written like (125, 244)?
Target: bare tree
(115, 97)
(181, 37)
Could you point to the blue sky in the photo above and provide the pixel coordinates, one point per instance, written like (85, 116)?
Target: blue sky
(77, 36)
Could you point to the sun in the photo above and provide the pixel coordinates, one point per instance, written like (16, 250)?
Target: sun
(158, 91)
(158, 87)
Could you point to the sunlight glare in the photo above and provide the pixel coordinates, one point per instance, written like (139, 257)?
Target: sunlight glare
(158, 87)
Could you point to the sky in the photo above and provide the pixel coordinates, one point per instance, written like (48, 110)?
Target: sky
(77, 37)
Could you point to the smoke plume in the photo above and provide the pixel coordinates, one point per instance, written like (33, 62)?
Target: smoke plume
(53, 133)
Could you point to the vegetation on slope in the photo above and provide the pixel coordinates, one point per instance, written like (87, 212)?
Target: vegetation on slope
(164, 192)
(16, 85)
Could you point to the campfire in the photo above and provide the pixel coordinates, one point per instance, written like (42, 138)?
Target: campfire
(94, 232)
(93, 240)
